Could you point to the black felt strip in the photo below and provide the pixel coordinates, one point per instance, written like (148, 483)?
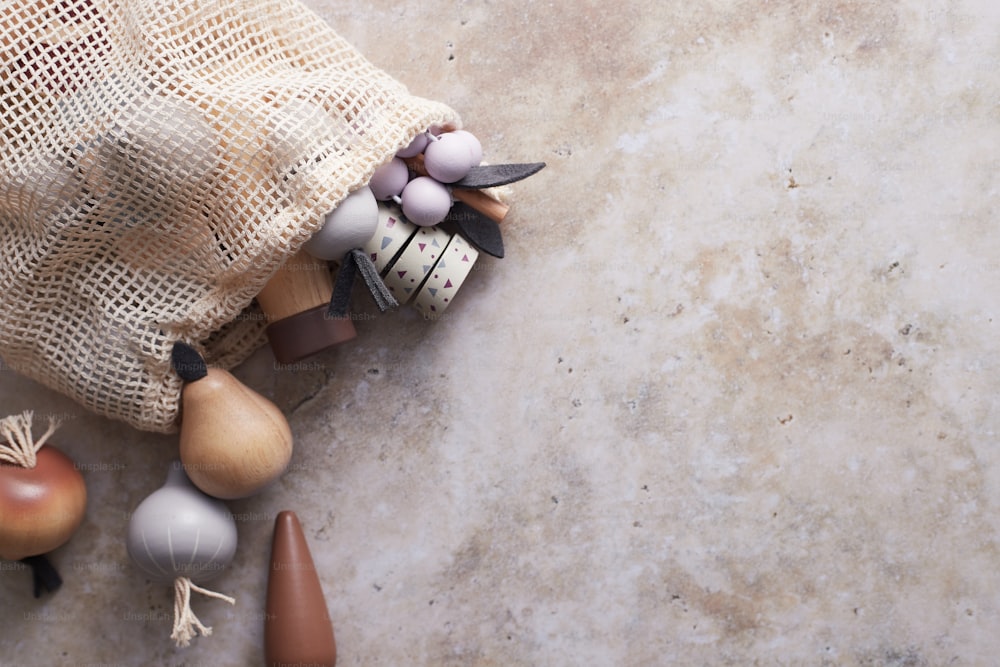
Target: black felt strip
(43, 574)
(493, 175)
(380, 293)
(340, 300)
(481, 231)
(187, 362)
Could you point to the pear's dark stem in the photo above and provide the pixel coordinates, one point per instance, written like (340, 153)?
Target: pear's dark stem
(187, 362)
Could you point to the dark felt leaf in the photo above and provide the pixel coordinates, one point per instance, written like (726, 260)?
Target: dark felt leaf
(356, 262)
(341, 297)
(380, 293)
(493, 175)
(481, 231)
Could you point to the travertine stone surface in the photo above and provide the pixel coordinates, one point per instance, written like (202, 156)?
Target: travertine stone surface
(730, 398)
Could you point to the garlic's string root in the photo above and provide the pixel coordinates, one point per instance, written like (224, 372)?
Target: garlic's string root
(186, 624)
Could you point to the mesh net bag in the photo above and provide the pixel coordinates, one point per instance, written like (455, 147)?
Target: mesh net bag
(160, 160)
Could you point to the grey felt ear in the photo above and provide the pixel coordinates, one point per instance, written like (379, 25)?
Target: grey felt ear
(342, 287)
(481, 231)
(380, 293)
(357, 261)
(493, 175)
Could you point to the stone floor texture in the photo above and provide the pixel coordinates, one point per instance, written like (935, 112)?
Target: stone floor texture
(731, 398)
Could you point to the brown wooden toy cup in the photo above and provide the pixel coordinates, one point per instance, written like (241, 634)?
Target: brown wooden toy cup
(295, 302)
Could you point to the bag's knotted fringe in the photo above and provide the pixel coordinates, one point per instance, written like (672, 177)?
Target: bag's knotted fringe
(16, 443)
(186, 624)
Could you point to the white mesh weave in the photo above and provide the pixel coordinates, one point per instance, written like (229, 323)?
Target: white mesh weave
(159, 160)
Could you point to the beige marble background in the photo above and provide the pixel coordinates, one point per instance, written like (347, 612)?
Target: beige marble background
(731, 397)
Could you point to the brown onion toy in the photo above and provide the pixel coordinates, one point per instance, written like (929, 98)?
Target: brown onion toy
(42, 497)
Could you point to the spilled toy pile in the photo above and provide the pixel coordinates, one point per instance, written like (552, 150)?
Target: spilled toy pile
(164, 171)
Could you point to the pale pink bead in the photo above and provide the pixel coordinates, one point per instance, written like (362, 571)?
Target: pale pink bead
(425, 201)
(416, 146)
(448, 159)
(389, 179)
(475, 147)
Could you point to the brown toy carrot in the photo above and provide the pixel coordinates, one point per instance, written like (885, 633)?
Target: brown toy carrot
(297, 627)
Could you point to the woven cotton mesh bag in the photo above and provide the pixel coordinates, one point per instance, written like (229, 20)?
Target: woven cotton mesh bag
(160, 160)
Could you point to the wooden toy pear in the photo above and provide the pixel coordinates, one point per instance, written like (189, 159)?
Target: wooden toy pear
(234, 442)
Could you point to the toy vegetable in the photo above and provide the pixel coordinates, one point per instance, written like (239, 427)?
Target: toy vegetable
(42, 498)
(233, 442)
(295, 301)
(180, 535)
(297, 627)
